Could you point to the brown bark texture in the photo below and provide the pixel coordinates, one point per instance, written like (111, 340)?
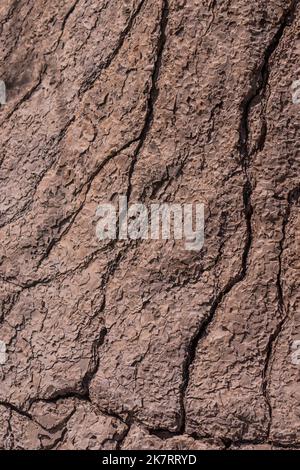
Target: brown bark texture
(142, 344)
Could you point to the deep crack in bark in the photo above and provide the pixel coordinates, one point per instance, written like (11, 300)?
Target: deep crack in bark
(154, 91)
(260, 80)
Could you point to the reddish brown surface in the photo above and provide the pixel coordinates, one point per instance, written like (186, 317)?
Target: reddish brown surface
(144, 344)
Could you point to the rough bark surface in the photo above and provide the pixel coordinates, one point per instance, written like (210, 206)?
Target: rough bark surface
(143, 344)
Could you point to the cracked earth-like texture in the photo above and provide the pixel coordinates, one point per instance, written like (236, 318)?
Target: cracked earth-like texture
(143, 344)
